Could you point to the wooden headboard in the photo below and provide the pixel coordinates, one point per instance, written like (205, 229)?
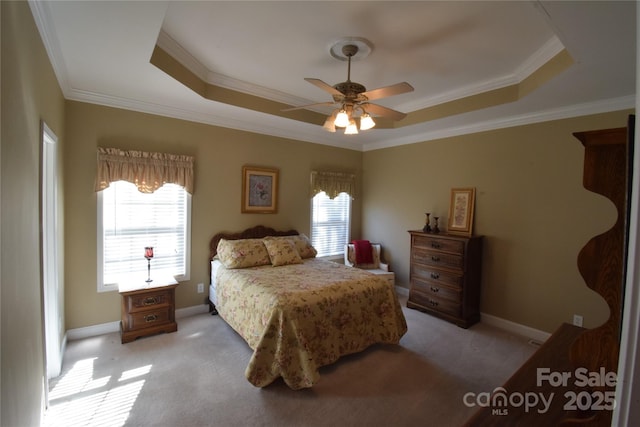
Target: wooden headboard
(257, 232)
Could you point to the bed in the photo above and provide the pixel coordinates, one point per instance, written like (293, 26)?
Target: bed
(295, 311)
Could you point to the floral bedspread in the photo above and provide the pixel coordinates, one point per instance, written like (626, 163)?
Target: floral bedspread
(300, 317)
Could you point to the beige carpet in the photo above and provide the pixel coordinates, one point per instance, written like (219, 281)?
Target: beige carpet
(195, 377)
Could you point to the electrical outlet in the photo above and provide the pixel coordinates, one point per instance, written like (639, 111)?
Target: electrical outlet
(577, 320)
(201, 288)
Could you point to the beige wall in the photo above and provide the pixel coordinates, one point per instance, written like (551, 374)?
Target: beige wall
(30, 93)
(530, 206)
(220, 154)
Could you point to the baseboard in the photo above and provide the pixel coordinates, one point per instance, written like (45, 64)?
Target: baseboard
(107, 328)
(92, 331)
(516, 328)
(402, 290)
(192, 311)
(498, 322)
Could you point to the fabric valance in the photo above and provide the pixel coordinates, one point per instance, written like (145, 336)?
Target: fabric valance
(333, 183)
(148, 171)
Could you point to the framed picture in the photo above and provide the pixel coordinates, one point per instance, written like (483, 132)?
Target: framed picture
(259, 190)
(461, 210)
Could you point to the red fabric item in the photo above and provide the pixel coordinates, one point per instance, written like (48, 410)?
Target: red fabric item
(364, 251)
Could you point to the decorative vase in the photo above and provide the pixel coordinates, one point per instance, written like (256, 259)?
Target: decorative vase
(435, 226)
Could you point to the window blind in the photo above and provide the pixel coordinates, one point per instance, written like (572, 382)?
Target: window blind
(330, 224)
(132, 220)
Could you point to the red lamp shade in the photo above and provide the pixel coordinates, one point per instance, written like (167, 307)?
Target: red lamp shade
(148, 252)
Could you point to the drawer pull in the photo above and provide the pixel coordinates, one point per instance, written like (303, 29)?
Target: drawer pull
(434, 290)
(151, 301)
(150, 318)
(433, 303)
(435, 245)
(435, 258)
(435, 275)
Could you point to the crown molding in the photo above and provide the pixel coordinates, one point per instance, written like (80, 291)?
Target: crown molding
(604, 106)
(584, 109)
(42, 17)
(546, 53)
(204, 118)
(180, 54)
(550, 49)
(184, 57)
(543, 55)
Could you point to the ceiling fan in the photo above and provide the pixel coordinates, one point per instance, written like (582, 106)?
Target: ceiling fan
(352, 96)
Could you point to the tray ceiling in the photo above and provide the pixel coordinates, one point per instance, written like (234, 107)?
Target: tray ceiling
(474, 65)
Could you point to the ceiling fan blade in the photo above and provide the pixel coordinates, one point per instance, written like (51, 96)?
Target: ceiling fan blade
(302, 107)
(324, 86)
(379, 110)
(386, 91)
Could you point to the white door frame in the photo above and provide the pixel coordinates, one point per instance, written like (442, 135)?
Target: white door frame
(50, 268)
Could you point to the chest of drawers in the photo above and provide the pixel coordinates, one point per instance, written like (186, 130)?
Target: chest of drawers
(444, 276)
(147, 309)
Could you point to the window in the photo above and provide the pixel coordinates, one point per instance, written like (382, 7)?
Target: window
(330, 223)
(129, 220)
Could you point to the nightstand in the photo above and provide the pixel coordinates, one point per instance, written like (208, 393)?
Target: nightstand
(147, 308)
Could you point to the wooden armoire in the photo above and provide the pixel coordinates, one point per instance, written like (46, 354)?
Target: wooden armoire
(602, 264)
(602, 261)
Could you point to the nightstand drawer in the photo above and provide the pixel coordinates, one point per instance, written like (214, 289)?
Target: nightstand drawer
(147, 319)
(148, 300)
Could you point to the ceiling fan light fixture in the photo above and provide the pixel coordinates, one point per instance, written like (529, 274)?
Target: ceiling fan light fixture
(349, 96)
(329, 124)
(366, 122)
(342, 119)
(351, 129)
